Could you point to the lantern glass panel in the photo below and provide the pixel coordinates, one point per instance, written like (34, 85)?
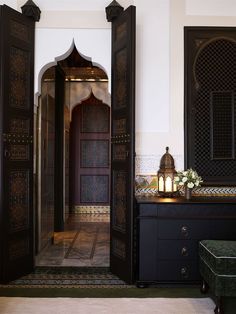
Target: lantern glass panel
(168, 184)
(161, 184)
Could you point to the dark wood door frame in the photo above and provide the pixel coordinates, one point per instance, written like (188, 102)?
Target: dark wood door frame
(59, 149)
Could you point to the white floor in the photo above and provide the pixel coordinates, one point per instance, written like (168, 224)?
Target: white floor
(105, 306)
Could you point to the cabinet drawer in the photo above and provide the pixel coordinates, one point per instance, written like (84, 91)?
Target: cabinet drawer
(183, 229)
(178, 271)
(177, 249)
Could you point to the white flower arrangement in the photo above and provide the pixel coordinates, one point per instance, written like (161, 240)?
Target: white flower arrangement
(188, 178)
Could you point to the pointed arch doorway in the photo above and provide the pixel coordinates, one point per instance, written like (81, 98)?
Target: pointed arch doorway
(74, 163)
(122, 182)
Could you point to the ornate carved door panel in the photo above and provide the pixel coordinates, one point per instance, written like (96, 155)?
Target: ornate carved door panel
(90, 153)
(122, 144)
(16, 144)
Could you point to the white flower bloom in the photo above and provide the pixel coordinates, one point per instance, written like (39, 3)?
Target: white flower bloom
(188, 177)
(190, 185)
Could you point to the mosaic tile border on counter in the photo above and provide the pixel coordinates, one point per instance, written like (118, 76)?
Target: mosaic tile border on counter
(146, 185)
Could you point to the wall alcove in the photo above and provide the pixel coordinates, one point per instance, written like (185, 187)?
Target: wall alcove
(210, 107)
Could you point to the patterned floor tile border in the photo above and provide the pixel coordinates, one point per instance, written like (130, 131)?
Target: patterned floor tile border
(73, 277)
(91, 209)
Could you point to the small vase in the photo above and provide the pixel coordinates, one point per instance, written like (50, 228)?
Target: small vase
(188, 193)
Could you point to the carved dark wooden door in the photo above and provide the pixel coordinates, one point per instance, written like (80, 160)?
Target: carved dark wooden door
(122, 144)
(16, 144)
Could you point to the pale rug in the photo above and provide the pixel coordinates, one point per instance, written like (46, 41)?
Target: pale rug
(105, 306)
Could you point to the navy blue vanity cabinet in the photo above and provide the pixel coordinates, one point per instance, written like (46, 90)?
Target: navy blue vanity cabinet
(168, 232)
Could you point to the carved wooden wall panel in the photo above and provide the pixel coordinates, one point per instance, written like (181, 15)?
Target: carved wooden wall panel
(18, 248)
(119, 152)
(19, 84)
(119, 200)
(95, 119)
(222, 125)
(90, 153)
(19, 200)
(94, 153)
(119, 126)
(19, 31)
(121, 31)
(16, 146)
(94, 189)
(121, 79)
(19, 152)
(19, 126)
(210, 106)
(119, 248)
(122, 143)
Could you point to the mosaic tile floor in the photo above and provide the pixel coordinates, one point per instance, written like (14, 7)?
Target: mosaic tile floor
(86, 242)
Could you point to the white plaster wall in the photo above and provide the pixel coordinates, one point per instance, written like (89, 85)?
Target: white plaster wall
(152, 52)
(211, 7)
(53, 43)
(10, 3)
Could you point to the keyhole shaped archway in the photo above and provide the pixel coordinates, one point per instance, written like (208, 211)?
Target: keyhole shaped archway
(63, 86)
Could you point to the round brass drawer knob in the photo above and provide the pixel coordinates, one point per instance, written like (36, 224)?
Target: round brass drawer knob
(184, 231)
(184, 251)
(184, 272)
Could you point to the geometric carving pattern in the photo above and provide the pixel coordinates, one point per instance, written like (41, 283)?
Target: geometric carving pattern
(121, 31)
(119, 200)
(18, 248)
(19, 200)
(119, 126)
(120, 78)
(119, 152)
(19, 126)
(215, 72)
(94, 188)
(95, 118)
(19, 152)
(222, 121)
(19, 77)
(119, 248)
(19, 30)
(94, 153)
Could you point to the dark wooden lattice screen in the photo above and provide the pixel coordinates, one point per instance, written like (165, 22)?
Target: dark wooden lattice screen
(210, 87)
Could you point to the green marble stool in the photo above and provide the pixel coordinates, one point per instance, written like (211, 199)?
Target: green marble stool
(218, 269)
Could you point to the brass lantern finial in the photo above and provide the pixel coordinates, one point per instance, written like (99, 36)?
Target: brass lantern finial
(166, 175)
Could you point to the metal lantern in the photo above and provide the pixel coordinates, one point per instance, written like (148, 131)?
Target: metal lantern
(166, 176)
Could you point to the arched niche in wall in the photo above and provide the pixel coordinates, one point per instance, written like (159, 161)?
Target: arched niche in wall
(210, 103)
